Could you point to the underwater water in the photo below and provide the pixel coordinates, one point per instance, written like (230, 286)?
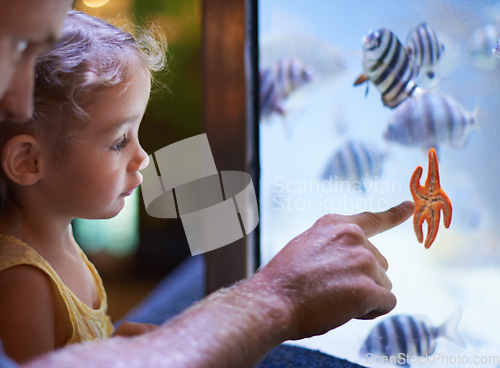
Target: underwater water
(316, 127)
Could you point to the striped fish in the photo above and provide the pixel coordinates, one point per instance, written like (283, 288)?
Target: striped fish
(483, 40)
(279, 81)
(430, 120)
(403, 336)
(387, 65)
(270, 97)
(480, 45)
(355, 161)
(291, 74)
(424, 49)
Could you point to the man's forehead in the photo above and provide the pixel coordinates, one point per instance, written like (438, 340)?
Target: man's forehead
(35, 20)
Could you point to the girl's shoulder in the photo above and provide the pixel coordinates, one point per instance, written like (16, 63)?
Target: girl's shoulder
(27, 305)
(23, 280)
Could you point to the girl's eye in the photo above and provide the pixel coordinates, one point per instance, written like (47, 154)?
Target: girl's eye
(121, 145)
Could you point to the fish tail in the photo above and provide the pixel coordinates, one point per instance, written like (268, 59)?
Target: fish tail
(449, 328)
(474, 114)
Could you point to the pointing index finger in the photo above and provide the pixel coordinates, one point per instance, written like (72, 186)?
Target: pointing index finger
(374, 223)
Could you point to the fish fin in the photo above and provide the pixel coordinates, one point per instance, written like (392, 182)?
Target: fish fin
(361, 79)
(415, 92)
(449, 328)
(391, 103)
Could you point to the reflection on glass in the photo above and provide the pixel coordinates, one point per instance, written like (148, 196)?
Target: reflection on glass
(341, 132)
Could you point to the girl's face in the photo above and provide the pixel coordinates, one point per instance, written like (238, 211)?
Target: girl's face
(102, 165)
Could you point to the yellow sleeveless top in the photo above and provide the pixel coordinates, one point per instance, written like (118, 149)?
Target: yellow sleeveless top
(87, 323)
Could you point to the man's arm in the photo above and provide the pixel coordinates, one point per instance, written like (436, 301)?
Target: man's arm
(326, 276)
(233, 327)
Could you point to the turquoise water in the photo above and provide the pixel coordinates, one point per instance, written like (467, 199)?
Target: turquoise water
(462, 268)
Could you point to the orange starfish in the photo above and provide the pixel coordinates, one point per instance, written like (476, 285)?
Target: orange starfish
(429, 201)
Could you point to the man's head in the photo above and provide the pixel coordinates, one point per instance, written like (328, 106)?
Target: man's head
(27, 28)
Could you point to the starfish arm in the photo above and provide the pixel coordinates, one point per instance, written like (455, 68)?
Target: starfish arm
(432, 218)
(417, 226)
(443, 204)
(417, 215)
(432, 180)
(415, 187)
(447, 210)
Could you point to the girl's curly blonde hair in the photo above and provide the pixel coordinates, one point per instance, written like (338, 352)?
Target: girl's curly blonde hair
(90, 56)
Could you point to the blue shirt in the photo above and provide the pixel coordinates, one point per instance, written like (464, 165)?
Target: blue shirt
(5, 361)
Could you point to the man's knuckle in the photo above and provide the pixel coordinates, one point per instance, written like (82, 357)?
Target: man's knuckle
(351, 232)
(365, 258)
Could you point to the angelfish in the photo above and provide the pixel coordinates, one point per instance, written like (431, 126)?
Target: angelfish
(425, 49)
(401, 337)
(388, 66)
(431, 120)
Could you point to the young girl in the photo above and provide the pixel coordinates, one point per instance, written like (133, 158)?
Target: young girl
(78, 157)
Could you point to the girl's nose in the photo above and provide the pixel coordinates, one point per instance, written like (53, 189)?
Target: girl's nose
(139, 161)
(144, 163)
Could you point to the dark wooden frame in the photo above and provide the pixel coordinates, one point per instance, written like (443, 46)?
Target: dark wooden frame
(230, 103)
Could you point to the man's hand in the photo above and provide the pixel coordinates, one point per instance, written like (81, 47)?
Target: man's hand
(331, 273)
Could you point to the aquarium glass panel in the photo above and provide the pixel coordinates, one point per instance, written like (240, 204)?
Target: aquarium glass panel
(354, 97)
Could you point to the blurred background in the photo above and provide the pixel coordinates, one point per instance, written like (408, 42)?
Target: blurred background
(133, 251)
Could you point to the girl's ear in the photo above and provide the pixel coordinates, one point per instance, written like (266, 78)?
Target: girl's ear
(22, 159)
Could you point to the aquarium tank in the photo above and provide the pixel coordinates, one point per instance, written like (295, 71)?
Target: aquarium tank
(354, 97)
